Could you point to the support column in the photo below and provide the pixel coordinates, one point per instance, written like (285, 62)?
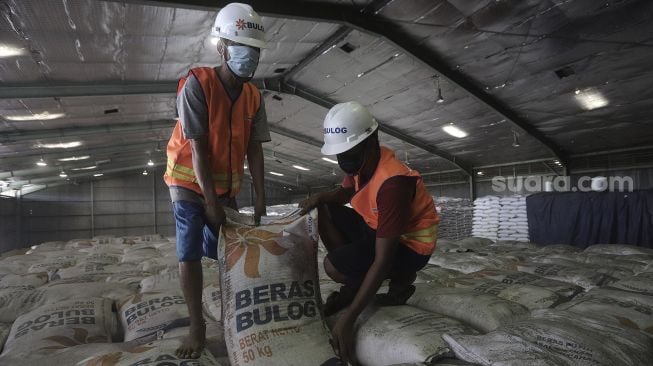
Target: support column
(19, 221)
(154, 208)
(92, 208)
(472, 188)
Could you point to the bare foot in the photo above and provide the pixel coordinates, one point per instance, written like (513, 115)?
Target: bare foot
(193, 344)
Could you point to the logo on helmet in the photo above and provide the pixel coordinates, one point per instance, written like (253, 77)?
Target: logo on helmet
(241, 24)
(329, 130)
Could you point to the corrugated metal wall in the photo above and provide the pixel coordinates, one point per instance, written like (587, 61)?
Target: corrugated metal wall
(130, 205)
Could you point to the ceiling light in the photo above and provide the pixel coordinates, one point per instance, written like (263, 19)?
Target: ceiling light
(277, 174)
(440, 98)
(329, 49)
(300, 167)
(245, 166)
(145, 172)
(36, 117)
(75, 158)
(480, 173)
(8, 51)
(63, 174)
(214, 41)
(330, 160)
(454, 131)
(86, 168)
(150, 162)
(515, 139)
(41, 162)
(98, 174)
(361, 74)
(590, 99)
(61, 145)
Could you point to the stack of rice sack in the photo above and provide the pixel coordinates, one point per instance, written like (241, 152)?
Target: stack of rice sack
(486, 217)
(513, 221)
(455, 217)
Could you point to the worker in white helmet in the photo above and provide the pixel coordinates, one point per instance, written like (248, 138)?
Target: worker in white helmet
(221, 121)
(390, 231)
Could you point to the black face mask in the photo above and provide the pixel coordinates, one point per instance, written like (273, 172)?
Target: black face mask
(351, 161)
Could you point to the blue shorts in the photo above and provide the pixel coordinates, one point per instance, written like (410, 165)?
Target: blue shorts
(195, 239)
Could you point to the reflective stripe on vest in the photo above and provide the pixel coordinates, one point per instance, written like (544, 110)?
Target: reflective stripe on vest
(422, 228)
(229, 130)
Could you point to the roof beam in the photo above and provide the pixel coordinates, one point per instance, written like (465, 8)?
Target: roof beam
(18, 136)
(395, 34)
(383, 127)
(22, 91)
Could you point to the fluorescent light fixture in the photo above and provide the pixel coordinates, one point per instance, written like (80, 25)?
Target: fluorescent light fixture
(480, 173)
(36, 117)
(75, 158)
(63, 174)
(61, 145)
(361, 74)
(150, 162)
(277, 174)
(145, 172)
(41, 162)
(329, 49)
(300, 167)
(454, 131)
(590, 99)
(330, 160)
(86, 168)
(8, 51)
(98, 175)
(214, 41)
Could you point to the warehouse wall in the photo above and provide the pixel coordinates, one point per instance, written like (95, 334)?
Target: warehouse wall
(8, 222)
(129, 205)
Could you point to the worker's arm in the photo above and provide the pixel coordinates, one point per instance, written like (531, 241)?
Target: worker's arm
(256, 169)
(379, 271)
(341, 196)
(202, 166)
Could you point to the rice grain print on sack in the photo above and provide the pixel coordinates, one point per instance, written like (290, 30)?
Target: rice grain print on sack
(271, 293)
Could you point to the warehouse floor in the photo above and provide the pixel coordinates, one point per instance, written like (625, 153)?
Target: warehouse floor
(541, 305)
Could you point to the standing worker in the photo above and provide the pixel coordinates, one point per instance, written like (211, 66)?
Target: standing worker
(390, 232)
(222, 119)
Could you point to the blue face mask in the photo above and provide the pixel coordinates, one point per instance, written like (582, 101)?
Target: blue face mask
(243, 61)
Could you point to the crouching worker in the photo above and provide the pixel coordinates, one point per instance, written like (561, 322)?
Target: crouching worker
(391, 230)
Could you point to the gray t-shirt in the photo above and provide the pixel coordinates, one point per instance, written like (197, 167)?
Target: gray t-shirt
(194, 115)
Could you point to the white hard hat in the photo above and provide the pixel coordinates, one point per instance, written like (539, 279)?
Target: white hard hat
(345, 126)
(239, 23)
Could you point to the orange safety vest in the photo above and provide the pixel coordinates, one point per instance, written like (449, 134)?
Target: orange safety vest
(230, 125)
(422, 231)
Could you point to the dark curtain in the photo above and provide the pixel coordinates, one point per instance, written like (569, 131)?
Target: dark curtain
(585, 218)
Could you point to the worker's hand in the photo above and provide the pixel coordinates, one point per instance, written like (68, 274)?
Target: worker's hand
(343, 340)
(216, 217)
(259, 210)
(309, 203)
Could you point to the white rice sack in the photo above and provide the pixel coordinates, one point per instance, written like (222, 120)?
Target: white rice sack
(52, 265)
(558, 248)
(170, 281)
(563, 289)
(85, 269)
(34, 280)
(4, 333)
(54, 327)
(271, 294)
(159, 265)
(103, 258)
(584, 277)
(145, 314)
(141, 254)
(480, 311)
(641, 282)
(155, 353)
(130, 278)
(434, 274)
(403, 334)
(531, 297)
(552, 337)
(212, 301)
(618, 249)
(628, 309)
